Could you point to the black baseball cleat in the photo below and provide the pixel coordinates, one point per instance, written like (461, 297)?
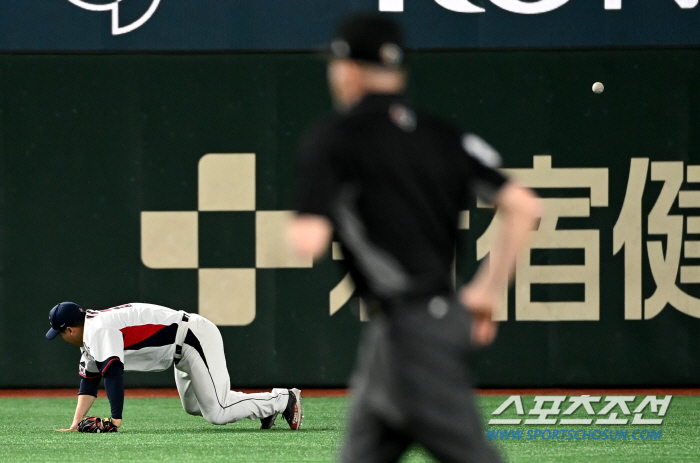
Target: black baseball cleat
(268, 422)
(293, 411)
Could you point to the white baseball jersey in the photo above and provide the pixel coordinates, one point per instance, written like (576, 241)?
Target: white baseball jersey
(141, 336)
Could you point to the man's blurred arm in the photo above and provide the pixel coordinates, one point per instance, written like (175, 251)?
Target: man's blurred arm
(519, 209)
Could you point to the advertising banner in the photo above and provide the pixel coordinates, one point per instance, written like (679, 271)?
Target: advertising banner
(220, 25)
(168, 179)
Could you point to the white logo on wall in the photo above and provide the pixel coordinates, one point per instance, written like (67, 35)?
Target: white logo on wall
(170, 239)
(227, 296)
(114, 8)
(515, 6)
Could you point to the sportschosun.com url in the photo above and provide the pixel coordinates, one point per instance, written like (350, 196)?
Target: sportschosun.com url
(615, 435)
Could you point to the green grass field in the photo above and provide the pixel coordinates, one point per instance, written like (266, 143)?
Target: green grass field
(158, 430)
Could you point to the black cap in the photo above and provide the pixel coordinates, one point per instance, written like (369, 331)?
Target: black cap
(369, 37)
(63, 315)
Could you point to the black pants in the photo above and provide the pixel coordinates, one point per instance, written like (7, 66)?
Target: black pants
(412, 384)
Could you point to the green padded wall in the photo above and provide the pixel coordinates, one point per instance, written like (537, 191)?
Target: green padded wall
(92, 144)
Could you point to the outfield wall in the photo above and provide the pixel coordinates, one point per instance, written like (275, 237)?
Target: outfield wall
(167, 179)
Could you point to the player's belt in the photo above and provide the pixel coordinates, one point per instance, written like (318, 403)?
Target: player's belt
(180, 337)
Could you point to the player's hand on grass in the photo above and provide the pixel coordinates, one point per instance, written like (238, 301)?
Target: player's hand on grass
(73, 428)
(481, 302)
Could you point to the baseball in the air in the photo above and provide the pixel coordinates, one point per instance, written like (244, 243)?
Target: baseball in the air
(598, 87)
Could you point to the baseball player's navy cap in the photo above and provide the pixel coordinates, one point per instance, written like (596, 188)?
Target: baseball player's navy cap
(63, 315)
(369, 37)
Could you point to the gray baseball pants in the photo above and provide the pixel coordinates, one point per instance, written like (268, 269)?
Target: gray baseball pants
(412, 384)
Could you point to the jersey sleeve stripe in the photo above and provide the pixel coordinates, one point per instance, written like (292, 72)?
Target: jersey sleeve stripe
(163, 337)
(139, 333)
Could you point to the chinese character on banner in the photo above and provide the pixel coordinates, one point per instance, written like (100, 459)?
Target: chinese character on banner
(662, 226)
(547, 236)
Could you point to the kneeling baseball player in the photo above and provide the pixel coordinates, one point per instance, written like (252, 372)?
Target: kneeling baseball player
(147, 337)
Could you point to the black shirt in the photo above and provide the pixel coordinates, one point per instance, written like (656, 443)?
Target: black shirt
(393, 182)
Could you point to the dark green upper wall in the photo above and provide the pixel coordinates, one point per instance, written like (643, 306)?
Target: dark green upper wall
(288, 25)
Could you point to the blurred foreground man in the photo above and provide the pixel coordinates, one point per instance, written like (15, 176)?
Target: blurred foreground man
(391, 183)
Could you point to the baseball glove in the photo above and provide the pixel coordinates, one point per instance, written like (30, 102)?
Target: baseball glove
(94, 424)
